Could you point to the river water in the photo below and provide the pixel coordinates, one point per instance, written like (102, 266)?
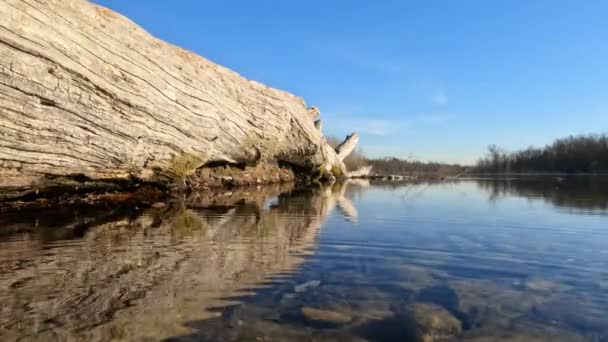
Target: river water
(522, 259)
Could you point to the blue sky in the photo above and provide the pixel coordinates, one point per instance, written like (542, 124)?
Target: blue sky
(428, 79)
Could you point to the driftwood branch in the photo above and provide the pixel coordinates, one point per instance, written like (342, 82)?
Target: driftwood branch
(362, 172)
(347, 146)
(313, 113)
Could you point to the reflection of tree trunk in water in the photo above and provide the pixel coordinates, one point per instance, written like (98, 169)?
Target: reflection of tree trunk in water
(346, 206)
(148, 275)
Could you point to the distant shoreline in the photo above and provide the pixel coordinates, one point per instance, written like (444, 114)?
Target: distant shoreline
(537, 174)
(560, 174)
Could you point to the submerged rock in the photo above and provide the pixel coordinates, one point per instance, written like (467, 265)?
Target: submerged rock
(307, 285)
(326, 316)
(431, 322)
(523, 332)
(540, 285)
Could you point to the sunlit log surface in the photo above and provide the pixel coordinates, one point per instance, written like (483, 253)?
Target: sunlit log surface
(86, 92)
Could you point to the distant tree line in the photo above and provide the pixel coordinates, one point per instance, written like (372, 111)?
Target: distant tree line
(574, 154)
(396, 166)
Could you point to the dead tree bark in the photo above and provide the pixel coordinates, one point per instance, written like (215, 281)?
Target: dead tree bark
(86, 92)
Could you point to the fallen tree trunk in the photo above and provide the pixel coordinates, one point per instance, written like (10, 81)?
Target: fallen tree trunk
(362, 172)
(86, 93)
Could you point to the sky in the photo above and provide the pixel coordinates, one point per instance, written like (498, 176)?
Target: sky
(428, 79)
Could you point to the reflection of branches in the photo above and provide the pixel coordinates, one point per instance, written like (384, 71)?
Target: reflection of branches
(346, 206)
(410, 190)
(581, 193)
(414, 195)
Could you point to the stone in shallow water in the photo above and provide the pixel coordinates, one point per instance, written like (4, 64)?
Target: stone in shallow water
(415, 278)
(326, 316)
(540, 285)
(288, 296)
(431, 322)
(523, 332)
(307, 285)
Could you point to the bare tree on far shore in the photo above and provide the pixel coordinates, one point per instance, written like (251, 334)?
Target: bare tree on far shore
(574, 154)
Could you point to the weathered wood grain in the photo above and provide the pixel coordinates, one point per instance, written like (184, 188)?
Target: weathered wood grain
(362, 172)
(84, 91)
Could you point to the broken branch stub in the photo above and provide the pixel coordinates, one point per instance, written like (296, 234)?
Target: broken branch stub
(319, 125)
(362, 172)
(347, 146)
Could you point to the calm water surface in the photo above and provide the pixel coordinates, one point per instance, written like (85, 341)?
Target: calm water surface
(474, 260)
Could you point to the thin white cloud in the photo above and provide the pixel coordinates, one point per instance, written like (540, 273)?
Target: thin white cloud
(439, 97)
(433, 119)
(377, 127)
(366, 60)
(378, 64)
(356, 119)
